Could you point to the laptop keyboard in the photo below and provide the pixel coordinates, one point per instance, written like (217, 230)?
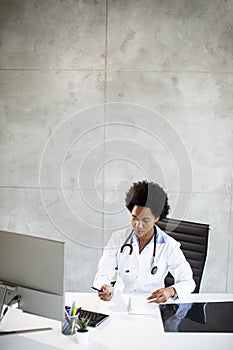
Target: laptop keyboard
(95, 317)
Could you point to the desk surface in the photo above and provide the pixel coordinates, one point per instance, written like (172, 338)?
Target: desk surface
(122, 330)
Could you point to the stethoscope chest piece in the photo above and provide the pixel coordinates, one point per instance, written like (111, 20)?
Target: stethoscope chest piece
(154, 270)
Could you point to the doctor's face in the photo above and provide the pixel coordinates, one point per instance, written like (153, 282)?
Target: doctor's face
(142, 221)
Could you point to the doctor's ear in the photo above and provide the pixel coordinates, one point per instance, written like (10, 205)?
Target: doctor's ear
(157, 219)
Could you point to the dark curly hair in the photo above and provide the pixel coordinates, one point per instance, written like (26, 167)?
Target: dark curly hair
(150, 195)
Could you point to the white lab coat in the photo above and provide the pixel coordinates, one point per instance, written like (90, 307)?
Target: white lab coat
(134, 271)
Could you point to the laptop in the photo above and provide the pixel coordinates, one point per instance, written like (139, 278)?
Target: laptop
(213, 317)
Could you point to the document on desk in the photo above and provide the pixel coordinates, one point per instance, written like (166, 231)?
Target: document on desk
(138, 305)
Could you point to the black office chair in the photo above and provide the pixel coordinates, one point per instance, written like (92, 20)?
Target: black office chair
(194, 243)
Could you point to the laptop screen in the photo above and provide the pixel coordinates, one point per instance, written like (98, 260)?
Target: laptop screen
(211, 317)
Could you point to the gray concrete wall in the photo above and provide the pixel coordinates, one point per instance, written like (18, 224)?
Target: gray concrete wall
(97, 94)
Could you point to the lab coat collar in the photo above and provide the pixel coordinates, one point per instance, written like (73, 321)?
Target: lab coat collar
(161, 236)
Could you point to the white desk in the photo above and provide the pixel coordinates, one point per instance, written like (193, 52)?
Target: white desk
(120, 331)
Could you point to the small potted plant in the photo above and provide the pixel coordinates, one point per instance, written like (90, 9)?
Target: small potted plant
(82, 331)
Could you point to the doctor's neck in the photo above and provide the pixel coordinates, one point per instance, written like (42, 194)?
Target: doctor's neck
(145, 239)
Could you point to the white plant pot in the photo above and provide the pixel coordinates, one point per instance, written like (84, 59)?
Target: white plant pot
(82, 337)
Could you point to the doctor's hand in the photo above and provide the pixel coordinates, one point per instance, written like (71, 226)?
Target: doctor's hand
(107, 293)
(161, 295)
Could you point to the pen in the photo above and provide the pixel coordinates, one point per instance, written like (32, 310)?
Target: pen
(100, 290)
(71, 309)
(73, 320)
(67, 317)
(74, 310)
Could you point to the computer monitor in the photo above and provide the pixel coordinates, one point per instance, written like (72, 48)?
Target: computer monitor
(33, 268)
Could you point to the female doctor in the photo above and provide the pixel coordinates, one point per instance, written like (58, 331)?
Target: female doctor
(143, 254)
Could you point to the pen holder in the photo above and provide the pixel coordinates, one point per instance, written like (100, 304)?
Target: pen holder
(69, 323)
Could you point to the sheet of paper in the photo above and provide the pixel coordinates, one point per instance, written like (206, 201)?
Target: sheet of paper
(138, 305)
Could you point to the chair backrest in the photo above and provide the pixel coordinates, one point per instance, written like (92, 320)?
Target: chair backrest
(194, 243)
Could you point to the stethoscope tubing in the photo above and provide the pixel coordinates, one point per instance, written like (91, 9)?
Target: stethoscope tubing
(130, 246)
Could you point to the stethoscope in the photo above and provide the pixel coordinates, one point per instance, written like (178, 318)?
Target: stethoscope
(129, 239)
